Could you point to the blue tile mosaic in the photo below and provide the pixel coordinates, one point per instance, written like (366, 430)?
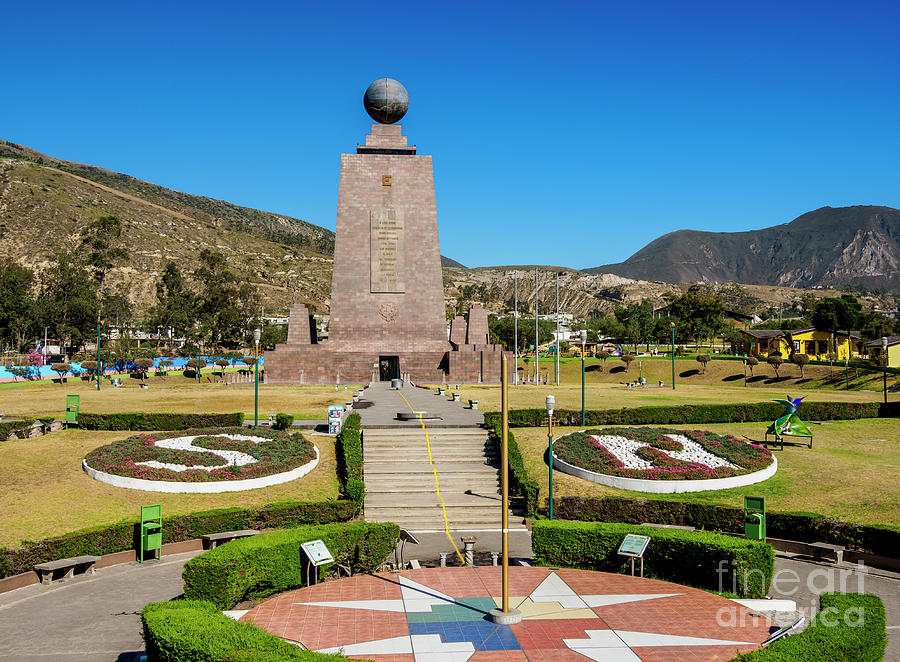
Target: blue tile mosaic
(484, 635)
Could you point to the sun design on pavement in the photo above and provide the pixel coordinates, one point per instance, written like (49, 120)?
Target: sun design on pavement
(441, 614)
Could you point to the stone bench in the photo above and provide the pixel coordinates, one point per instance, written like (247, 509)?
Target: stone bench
(213, 540)
(827, 550)
(45, 570)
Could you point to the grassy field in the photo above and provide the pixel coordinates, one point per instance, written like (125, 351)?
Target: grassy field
(172, 394)
(44, 492)
(849, 474)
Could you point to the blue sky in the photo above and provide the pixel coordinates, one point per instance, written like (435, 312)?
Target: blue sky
(570, 135)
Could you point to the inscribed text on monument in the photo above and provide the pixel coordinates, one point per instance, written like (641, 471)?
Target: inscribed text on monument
(387, 251)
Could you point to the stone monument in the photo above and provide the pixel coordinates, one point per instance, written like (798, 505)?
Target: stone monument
(387, 299)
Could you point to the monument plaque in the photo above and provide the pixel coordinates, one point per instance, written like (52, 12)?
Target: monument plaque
(387, 251)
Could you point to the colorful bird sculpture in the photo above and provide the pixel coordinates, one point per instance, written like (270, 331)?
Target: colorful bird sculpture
(789, 424)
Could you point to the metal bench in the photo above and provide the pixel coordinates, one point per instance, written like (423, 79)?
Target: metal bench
(213, 540)
(827, 550)
(45, 570)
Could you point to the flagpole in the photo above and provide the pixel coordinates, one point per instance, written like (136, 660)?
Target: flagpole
(557, 328)
(516, 326)
(537, 354)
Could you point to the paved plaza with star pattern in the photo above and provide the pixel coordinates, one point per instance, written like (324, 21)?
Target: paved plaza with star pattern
(441, 615)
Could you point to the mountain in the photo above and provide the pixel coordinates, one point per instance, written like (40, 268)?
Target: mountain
(828, 247)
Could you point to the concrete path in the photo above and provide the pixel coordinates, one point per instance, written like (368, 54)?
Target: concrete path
(95, 618)
(379, 404)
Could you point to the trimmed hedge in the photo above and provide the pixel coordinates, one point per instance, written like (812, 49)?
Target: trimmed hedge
(805, 527)
(701, 414)
(350, 460)
(197, 630)
(155, 422)
(694, 558)
(261, 565)
(849, 627)
(519, 481)
(21, 426)
(122, 536)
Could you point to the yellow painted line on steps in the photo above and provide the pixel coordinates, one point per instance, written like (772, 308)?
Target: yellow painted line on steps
(437, 485)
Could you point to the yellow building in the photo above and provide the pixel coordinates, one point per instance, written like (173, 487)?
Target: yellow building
(873, 351)
(812, 342)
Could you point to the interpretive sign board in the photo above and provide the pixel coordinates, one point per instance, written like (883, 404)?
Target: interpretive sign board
(335, 416)
(634, 545)
(317, 552)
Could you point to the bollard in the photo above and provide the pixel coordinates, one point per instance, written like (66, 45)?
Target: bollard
(469, 550)
(443, 559)
(494, 556)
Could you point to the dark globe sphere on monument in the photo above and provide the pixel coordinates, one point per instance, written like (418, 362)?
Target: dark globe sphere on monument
(386, 101)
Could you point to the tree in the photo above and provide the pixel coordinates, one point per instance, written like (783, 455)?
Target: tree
(225, 304)
(176, 306)
(602, 355)
(223, 363)
(836, 313)
(116, 310)
(272, 334)
(91, 367)
(61, 369)
(799, 360)
(775, 361)
(101, 238)
(16, 303)
(699, 316)
(142, 366)
(874, 325)
(637, 321)
(503, 328)
(703, 359)
(751, 362)
(68, 303)
(627, 359)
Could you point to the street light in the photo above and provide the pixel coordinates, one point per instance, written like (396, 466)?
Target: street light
(672, 324)
(551, 405)
(745, 372)
(583, 334)
(884, 362)
(99, 371)
(257, 333)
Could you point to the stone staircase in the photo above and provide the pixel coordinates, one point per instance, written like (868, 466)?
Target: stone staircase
(400, 484)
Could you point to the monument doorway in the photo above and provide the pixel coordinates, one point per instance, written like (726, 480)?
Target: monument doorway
(389, 368)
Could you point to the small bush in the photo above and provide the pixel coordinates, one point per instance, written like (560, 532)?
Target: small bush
(283, 421)
(192, 363)
(198, 630)
(800, 360)
(752, 361)
(520, 483)
(61, 368)
(775, 361)
(849, 627)
(350, 459)
(695, 558)
(254, 567)
(627, 359)
(703, 359)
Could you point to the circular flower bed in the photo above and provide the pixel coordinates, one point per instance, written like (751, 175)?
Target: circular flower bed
(208, 455)
(658, 454)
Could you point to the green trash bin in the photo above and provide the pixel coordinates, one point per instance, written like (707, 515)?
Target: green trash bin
(151, 532)
(73, 404)
(755, 518)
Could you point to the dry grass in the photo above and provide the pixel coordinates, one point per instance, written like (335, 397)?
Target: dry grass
(44, 492)
(171, 394)
(849, 474)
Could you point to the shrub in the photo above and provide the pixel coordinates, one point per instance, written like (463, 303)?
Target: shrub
(695, 558)
(751, 362)
(249, 360)
(192, 363)
(793, 526)
(142, 366)
(122, 536)
(627, 359)
(283, 421)
(703, 359)
(198, 630)
(849, 627)
(157, 421)
(254, 567)
(800, 360)
(775, 361)
(602, 355)
(350, 459)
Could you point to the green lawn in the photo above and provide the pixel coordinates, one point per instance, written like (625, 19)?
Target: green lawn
(849, 474)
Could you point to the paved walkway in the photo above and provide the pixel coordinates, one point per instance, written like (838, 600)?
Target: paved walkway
(96, 617)
(379, 404)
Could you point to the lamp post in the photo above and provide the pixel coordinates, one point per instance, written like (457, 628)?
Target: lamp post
(745, 373)
(257, 334)
(672, 324)
(551, 405)
(583, 334)
(884, 362)
(99, 367)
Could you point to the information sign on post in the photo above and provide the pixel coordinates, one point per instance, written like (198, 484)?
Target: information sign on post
(634, 546)
(317, 552)
(335, 417)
